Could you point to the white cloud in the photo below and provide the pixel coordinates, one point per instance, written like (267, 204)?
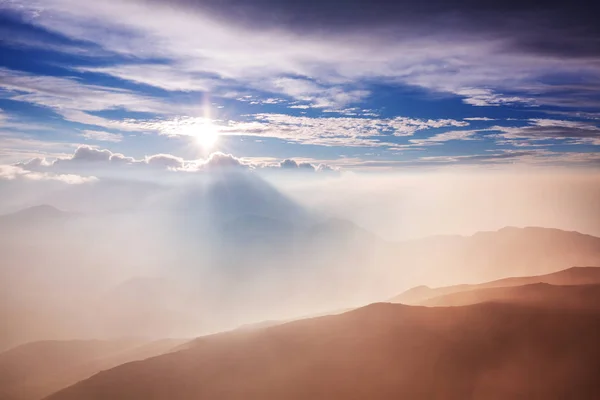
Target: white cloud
(487, 97)
(102, 136)
(479, 119)
(320, 96)
(445, 137)
(167, 77)
(75, 101)
(18, 146)
(570, 132)
(90, 160)
(71, 94)
(333, 131)
(14, 172)
(323, 131)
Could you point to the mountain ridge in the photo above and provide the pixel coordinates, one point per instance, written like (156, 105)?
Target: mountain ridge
(381, 351)
(573, 275)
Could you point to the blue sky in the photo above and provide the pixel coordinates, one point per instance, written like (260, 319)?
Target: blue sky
(352, 92)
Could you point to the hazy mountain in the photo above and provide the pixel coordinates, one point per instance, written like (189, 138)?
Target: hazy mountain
(574, 297)
(486, 256)
(211, 261)
(35, 370)
(36, 217)
(382, 351)
(571, 276)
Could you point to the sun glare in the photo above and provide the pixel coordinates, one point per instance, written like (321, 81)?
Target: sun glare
(205, 135)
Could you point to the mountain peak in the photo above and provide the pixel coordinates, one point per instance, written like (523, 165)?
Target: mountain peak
(43, 211)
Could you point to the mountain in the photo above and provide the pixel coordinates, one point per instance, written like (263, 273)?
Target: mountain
(33, 217)
(486, 256)
(571, 276)
(575, 297)
(229, 251)
(382, 351)
(35, 370)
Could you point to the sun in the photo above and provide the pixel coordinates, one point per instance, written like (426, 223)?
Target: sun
(207, 136)
(204, 134)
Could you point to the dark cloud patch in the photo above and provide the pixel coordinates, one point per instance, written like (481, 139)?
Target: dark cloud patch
(555, 28)
(545, 129)
(561, 132)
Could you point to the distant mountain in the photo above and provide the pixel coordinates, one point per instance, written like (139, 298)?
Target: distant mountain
(555, 297)
(33, 216)
(382, 351)
(220, 199)
(35, 370)
(486, 256)
(571, 276)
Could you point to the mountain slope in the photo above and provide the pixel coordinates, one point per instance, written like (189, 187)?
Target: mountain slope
(571, 276)
(35, 370)
(575, 297)
(382, 351)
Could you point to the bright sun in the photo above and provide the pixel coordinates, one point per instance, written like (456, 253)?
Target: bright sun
(205, 135)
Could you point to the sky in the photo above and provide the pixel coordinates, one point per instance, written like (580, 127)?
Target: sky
(363, 86)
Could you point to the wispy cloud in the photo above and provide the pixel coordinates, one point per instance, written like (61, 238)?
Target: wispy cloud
(334, 131)
(102, 136)
(75, 100)
(167, 77)
(479, 119)
(445, 137)
(489, 68)
(12, 172)
(576, 132)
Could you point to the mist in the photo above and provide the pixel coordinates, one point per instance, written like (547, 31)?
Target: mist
(408, 205)
(213, 251)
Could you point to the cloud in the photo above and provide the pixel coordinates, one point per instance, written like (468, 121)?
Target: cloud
(17, 146)
(166, 161)
(87, 160)
(479, 119)
(15, 172)
(220, 160)
(445, 137)
(167, 77)
(576, 132)
(487, 97)
(323, 131)
(319, 95)
(334, 131)
(291, 164)
(490, 54)
(522, 157)
(102, 136)
(71, 94)
(77, 101)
